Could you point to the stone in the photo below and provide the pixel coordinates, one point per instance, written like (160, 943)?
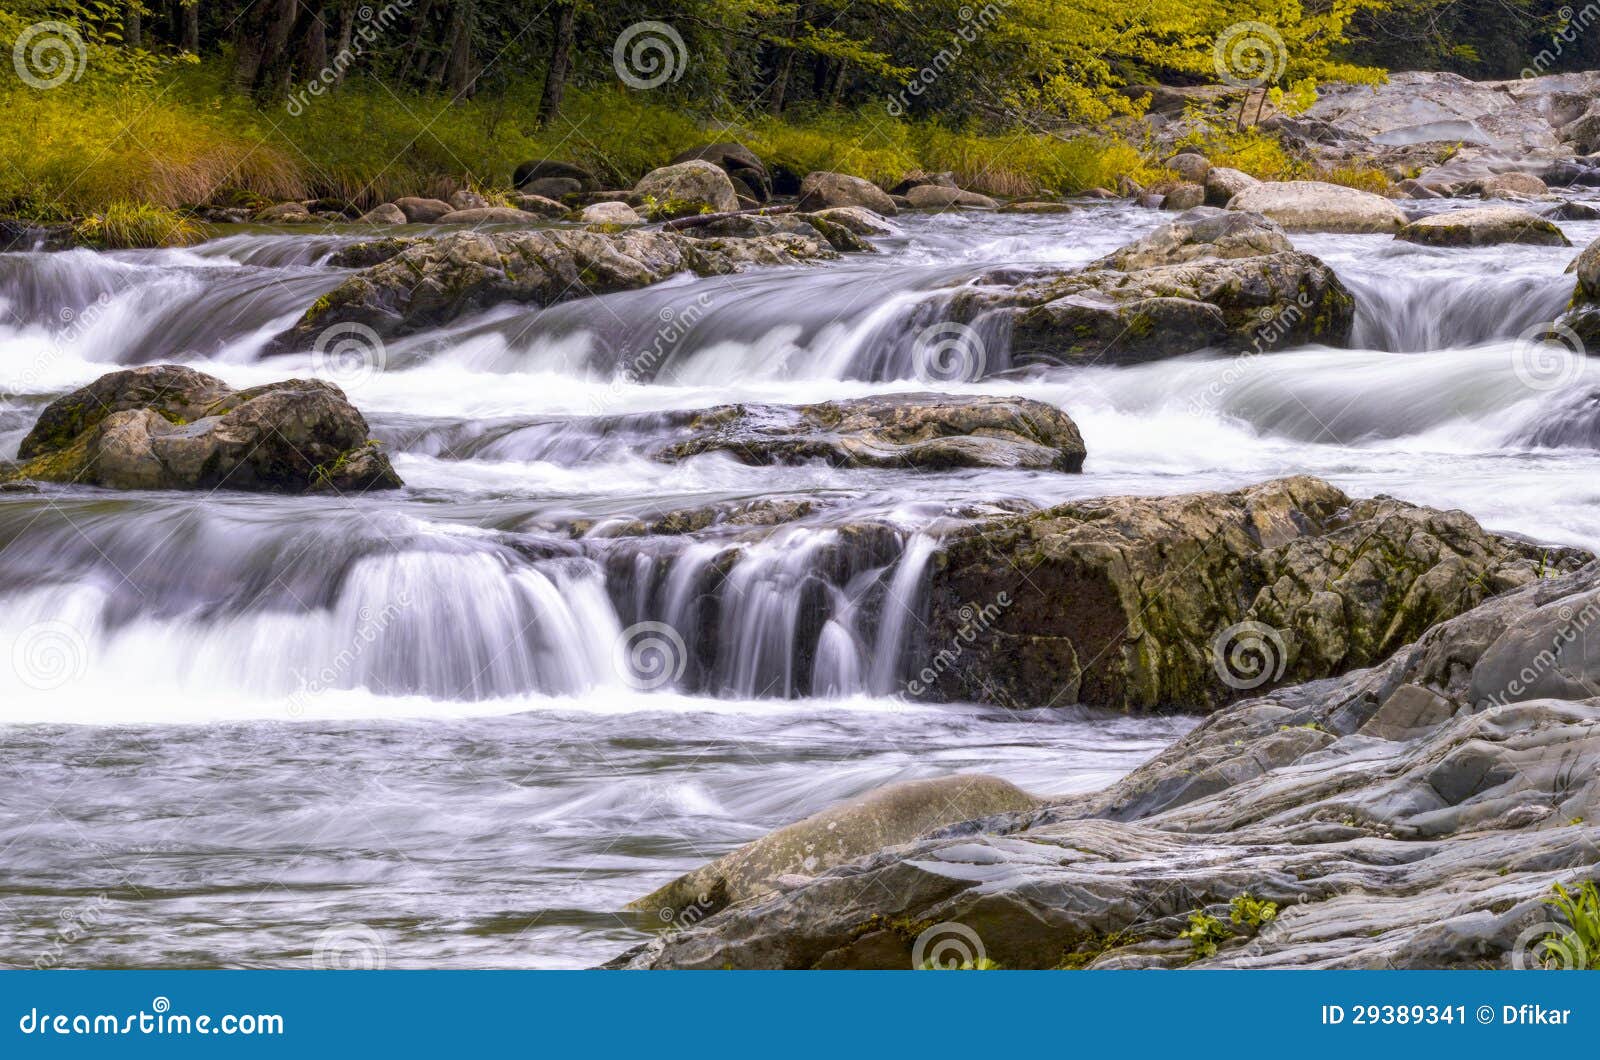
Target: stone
(1222, 184)
(489, 215)
(820, 190)
(684, 189)
(610, 213)
(387, 214)
(747, 172)
(552, 187)
(421, 283)
(1313, 206)
(466, 199)
(423, 211)
(546, 169)
(1511, 186)
(170, 427)
(538, 205)
(935, 197)
(888, 816)
(1191, 167)
(1038, 207)
(292, 213)
(1483, 226)
(925, 431)
(858, 219)
(1184, 197)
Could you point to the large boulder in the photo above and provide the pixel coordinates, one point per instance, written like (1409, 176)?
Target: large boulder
(1212, 279)
(820, 190)
(387, 214)
(610, 213)
(1483, 226)
(1582, 317)
(407, 285)
(858, 219)
(1510, 186)
(888, 816)
(925, 431)
(1183, 197)
(686, 188)
(1313, 206)
(170, 427)
(1163, 603)
(934, 197)
(747, 172)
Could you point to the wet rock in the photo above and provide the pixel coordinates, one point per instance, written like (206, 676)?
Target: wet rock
(26, 235)
(858, 219)
(170, 427)
(926, 431)
(888, 816)
(1483, 226)
(387, 214)
(423, 211)
(466, 199)
(285, 213)
(1582, 317)
(935, 197)
(1570, 211)
(1121, 602)
(1038, 207)
(1205, 281)
(1313, 206)
(426, 282)
(1396, 818)
(917, 179)
(684, 189)
(1222, 184)
(820, 190)
(489, 215)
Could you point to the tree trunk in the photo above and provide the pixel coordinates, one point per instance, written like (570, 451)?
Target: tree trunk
(555, 75)
(347, 34)
(190, 13)
(133, 26)
(459, 76)
(264, 61)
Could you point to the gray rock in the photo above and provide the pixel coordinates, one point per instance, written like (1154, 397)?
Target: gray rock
(858, 219)
(538, 205)
(170, 427)
(935, 197)
(387, 214)
(552, 187)
(489, 215)
(1191, 167)
(748, 173)
(610, 213)
(1222, 184)
(1313, 206)
(1483, 226)
(546, 169)
(820, 190)
(925, 431)
(684, 189)
(423, 211)
(1184, 197)
(466, 199)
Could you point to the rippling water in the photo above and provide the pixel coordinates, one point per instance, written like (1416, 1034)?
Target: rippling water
(245, 730)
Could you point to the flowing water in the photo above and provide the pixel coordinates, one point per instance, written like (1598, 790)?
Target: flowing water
(465, 723)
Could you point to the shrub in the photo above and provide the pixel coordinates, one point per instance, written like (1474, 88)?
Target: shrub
(127, 225)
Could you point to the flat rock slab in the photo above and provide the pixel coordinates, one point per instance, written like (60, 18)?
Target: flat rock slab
(1483, 226)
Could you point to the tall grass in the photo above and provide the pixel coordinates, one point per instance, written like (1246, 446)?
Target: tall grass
(78, 149)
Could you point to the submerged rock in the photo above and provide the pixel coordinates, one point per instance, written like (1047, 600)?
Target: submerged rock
(1213, 278)
(170, 427)
(885, 817)
(1483, 226)
(422, 283)
(926, 431)
(1188, 602)
(1414, 815)
(1582, 317)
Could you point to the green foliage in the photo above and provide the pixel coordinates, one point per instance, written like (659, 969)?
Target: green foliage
(1577, 947)
(1250, 912)
(1204, 933)
(127, 225)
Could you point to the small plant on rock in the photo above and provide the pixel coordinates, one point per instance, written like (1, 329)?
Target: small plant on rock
(1247, 911)
(1204, 933)
(1577, 946)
